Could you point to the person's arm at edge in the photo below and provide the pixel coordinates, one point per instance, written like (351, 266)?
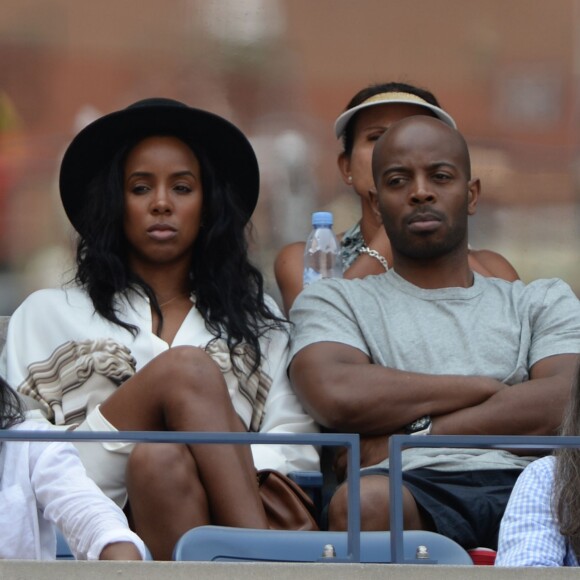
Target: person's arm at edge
(534, 407)
(289, 269)
(492, 264)
(90, 521)
(529, 535)
(343, 391)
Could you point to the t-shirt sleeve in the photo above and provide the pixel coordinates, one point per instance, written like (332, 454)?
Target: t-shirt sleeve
(555, 321)
(321, 313)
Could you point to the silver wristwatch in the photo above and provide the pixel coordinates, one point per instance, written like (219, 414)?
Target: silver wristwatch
(421, 426)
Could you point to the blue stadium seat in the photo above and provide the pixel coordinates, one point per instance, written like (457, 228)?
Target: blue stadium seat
(218, 543)
(63, 552)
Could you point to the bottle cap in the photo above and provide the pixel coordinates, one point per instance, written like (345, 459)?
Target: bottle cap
(322, 218)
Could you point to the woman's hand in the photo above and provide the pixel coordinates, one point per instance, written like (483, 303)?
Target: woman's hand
(120, 551)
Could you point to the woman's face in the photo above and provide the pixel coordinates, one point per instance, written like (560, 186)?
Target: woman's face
(163, 198)
(369, 125)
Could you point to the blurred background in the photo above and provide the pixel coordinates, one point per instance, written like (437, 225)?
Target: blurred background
(282, 70)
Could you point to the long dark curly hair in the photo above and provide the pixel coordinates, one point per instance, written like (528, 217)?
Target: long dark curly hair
(228, 289)
(11, 412)
(566, 496)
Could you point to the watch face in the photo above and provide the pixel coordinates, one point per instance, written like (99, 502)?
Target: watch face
(418, 425)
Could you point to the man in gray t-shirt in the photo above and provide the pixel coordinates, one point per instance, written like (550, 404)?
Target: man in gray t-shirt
(431, 347)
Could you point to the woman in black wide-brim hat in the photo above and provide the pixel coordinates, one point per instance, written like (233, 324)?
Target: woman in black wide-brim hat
(166, 325)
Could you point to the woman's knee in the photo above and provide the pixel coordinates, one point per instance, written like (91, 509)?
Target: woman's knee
(177, 379)
(188, 367)
(154, 466)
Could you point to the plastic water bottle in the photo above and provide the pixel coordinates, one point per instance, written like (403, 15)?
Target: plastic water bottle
(322, 257)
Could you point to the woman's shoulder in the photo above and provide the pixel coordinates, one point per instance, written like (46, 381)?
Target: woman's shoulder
(44, 308)
(54, 296)
(492, 264)
(288, 270)
(290, 253)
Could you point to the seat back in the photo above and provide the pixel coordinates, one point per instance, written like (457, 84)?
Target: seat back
(4, 320)
(217, 543)
(63, 551)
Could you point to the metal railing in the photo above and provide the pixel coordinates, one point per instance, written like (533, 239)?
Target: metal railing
(348, 440)
(399, 442)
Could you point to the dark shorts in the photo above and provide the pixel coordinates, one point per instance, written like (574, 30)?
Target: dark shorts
(466, 506)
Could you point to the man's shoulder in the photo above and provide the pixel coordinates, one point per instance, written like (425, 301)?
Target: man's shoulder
(543, 284)
(545, 294)
(534, 290)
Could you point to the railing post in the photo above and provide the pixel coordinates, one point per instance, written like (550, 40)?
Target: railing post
(353, 478)
(396, 500)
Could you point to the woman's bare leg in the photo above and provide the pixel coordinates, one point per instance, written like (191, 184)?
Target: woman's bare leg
(184, 390)
(166, 495)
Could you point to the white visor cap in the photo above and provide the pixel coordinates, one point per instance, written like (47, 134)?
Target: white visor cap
(389, 99)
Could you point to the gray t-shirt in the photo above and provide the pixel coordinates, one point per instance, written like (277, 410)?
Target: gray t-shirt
(494, 328)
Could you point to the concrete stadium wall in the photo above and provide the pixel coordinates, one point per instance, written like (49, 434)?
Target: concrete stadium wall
(20, 570)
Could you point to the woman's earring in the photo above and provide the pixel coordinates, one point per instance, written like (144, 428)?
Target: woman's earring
(350, 178)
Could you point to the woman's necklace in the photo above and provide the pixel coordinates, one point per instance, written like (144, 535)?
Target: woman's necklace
(173, 299)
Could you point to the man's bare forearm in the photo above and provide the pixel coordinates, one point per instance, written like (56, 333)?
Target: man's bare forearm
(535, 407)
(343, 391)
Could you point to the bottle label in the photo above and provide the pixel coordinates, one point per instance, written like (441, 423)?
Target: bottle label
(310, 276)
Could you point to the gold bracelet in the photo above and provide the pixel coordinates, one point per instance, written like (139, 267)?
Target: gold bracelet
(374, 254)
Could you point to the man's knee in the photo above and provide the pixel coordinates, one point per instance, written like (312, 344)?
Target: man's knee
(374, 505)
(338, 509)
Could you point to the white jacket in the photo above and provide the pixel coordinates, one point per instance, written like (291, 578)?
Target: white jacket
(44, 484)
(56, 342)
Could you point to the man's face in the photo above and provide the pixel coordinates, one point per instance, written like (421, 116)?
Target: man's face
(421, 171)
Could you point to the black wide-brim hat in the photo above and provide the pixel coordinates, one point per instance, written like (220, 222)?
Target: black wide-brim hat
(223, 144)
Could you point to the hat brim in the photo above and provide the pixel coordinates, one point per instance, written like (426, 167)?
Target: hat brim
(343, 119)
(225, 146)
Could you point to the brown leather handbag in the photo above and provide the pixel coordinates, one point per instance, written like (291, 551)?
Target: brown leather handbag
(287, 505)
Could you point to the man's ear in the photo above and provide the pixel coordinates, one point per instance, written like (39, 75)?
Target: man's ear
(473, 191)
(343, 162)
(374, 199)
